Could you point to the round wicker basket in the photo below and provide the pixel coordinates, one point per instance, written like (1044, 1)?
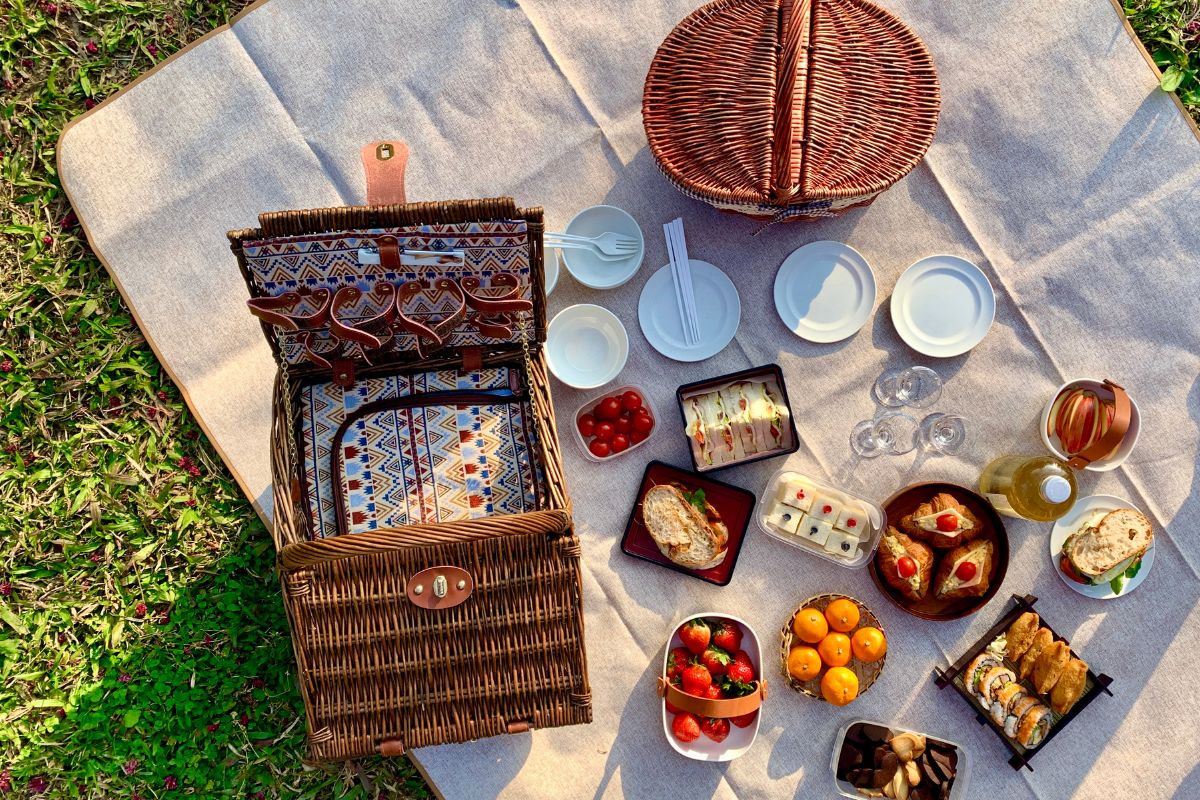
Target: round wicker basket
(867, 674)
(790, 109)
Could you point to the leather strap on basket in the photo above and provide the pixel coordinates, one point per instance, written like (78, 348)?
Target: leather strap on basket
(384, 163)
(704, 707)
(282, 310)
(433, 335)
(1122, 414)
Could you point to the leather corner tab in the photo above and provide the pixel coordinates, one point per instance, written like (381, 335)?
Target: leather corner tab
(518, 726)
(384, 162)
(343, 372)
(472, 359)
(391, 748)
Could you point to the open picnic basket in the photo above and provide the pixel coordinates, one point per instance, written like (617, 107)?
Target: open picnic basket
(428, 562)
(790, 109)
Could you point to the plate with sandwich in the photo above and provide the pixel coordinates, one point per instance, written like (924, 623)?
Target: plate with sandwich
(1103, 548)
(737, 418)
(688, 523)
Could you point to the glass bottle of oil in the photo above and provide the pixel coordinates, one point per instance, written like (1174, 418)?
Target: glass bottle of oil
(1040, 488)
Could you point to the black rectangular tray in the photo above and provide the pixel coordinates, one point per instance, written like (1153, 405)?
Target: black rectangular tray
(772, 370)
(1020, 755)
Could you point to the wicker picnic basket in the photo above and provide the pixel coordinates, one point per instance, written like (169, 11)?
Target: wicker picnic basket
(790, 109)
(426, 633)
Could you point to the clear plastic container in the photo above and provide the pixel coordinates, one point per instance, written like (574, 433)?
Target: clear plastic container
(836, 525)
(586, 408)
(962, 776)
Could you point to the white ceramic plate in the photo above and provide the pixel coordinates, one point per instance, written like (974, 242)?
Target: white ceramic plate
(824, 291)
(718, 308)
(587, 267)
(739, 739)
(1083, 509)
(943, 306)
(586, 346)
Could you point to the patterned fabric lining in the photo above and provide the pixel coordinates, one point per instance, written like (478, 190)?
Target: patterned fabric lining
(407, 466)
(331, 261)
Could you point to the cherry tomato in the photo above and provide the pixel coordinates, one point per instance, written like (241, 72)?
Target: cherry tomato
(623, 423)
(620, 443)
(599, 449)
(947, 523)
(966, 570)
(636, 436)
(631, 400)
(906, 567)
(643, 422)
(604, 431)
(587, 425)
(609, 408)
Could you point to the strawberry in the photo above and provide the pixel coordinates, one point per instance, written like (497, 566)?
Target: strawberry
(727, 635)
(673, 709)
(715, 659)
(740, 672)
(742, 656)
(715, 729)
(744, 721)
(696, 680)
(686, 727)
(714, 692)
(677, 662)
(695, 635)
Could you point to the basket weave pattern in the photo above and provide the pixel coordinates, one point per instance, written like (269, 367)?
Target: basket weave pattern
(790, 108)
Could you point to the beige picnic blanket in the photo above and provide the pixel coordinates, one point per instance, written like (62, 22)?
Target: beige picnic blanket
(1059, 168)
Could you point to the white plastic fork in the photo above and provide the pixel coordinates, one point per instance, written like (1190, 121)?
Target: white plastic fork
(614, 245)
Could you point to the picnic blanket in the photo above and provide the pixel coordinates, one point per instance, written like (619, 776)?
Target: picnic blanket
(1059, 167)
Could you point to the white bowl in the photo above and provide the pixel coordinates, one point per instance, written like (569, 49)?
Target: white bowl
(586, 346)
(1054, 444)
(739, 739)
(588, 268)
(551, 278)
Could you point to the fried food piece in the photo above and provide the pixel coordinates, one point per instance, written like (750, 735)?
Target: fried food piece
(896, 546)
(1020, 635)
(1070, 686)
(923, 524)
(1049, 666)
(951, 580)
(1041, 639)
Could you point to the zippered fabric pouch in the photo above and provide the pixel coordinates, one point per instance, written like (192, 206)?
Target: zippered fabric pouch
(423, 447)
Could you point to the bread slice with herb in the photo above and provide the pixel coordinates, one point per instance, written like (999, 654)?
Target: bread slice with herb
(686, 527)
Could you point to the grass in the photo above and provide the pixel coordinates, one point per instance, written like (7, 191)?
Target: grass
(143, 644)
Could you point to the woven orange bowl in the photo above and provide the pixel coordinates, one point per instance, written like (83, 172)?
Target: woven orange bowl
(790, 109)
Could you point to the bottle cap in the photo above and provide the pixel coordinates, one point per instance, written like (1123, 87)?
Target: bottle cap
(1056, 489)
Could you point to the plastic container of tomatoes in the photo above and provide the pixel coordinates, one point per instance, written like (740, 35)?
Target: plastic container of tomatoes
(627, 412)
(734, 721)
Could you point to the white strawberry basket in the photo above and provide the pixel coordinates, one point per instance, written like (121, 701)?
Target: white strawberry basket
(739, 739)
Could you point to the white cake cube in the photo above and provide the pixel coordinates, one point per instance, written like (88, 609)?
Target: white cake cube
(842, 544)
(785, 518)
(797, 494)
(825, 507)
(852, 520)
(815, 531)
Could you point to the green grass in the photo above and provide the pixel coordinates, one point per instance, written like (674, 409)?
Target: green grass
(143, 645)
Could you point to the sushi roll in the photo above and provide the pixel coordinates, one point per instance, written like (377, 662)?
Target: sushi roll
(975, 670)
(1004, 699)
(1033, 726)
(1015, 712)
(993, 680)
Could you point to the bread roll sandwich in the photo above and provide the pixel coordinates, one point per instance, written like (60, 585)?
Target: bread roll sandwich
(1108, 550)
(686, 527)
(965, 571)
(943, 522)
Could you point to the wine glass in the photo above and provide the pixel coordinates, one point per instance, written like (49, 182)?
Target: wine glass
(918, 387)
(894, 432)
(943, 433)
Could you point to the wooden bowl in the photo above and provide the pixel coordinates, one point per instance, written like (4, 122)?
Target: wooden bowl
(903, 503)
(867, 674)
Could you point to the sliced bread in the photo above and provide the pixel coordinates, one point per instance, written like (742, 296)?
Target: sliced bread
(679, 529)
(1117, 539)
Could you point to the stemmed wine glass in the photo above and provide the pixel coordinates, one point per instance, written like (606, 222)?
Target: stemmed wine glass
(943, 433)
(894, 432)
(918, 387)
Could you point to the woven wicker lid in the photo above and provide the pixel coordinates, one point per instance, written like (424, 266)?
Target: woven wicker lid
(761, 106)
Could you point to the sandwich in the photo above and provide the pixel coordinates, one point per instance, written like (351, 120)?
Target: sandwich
(732, 423)
(769, 415)
(906, 565)
(1108, 549)
(943, 522)
(1020, 635)
(1069, 687)
(965, 571)
(687, 528)
(1049, 666)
